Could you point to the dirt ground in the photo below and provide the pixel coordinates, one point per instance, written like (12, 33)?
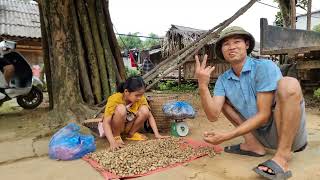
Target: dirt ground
(16, 124)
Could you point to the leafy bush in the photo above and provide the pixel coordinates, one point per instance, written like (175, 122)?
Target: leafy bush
(316, 93)
(171, 85)
(132, 72)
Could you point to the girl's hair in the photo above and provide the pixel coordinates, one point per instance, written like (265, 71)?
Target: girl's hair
(133, 83)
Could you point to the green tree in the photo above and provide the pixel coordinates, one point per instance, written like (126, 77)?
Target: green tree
(152, 41)
(129, 42)
(279, 19)
(316, 28)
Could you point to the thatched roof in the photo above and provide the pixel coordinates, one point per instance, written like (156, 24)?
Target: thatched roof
(178, 37)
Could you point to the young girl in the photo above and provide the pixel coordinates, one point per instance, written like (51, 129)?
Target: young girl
(125, 113)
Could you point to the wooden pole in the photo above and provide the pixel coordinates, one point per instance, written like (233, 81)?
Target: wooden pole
(309, 15)
(293, 13)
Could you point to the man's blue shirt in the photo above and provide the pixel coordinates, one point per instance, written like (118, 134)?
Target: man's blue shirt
(257, 75)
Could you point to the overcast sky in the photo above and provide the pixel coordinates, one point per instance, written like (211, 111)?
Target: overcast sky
(146, 16)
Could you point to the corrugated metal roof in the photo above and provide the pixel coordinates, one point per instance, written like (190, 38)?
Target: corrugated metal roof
(312, 13)
(19, 18)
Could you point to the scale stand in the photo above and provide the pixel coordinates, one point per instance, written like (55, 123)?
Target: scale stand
(179, 128)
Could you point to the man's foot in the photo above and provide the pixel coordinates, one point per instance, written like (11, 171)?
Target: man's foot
(244, 149)
(281, 162)
(272, 170)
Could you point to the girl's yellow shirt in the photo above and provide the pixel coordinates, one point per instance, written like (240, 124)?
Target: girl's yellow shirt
(117, 99)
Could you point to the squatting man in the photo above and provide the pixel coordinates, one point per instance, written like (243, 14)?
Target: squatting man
(265, 108)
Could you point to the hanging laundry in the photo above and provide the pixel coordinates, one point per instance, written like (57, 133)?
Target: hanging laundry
(132, 60)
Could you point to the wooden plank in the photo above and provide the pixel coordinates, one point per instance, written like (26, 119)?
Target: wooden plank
(314, 64)
(289, 50)
(279, 40)
(189, 69)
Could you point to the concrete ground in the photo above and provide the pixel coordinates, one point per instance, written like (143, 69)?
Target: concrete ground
(23, 154)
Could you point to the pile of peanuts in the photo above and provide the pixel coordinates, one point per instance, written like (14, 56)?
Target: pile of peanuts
(145, 156)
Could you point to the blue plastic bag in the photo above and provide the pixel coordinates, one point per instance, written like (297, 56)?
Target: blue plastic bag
(178, 110)
(68, 143)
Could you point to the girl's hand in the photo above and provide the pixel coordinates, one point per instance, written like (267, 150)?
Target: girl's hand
(159, 136)
(115, 146)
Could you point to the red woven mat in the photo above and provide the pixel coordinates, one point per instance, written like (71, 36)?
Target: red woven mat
(193, 143)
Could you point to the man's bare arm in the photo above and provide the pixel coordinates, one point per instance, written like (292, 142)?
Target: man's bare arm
(264, 103)
(211, 105)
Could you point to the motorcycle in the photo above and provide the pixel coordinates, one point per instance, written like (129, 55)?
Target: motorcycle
(23, 86)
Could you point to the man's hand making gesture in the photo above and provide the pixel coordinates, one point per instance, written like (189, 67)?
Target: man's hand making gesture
(202, 73)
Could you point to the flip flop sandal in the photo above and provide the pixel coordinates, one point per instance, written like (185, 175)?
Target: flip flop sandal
(137, 137)
(118, 138)
(235, 149)
(302, 148)
(277, 171)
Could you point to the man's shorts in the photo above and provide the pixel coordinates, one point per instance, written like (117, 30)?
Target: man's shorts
(268, 135)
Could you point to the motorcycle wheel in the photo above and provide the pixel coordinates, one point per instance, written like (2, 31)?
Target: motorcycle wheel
(31, 100)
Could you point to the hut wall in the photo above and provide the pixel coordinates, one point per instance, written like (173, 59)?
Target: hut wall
(33, 58)
(220, 66)
(156, 58)
(189, 69)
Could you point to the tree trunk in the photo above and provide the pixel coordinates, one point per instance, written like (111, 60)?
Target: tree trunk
(293, 14)
(46, 54)
(309, 15)
(285, 11)
(84, 78)
(75, 57)
(113, 41)
(111, 66)
(98, 47)
(92, 59)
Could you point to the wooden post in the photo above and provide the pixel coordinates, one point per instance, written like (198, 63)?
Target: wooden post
(309, 15)
(293, 13)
